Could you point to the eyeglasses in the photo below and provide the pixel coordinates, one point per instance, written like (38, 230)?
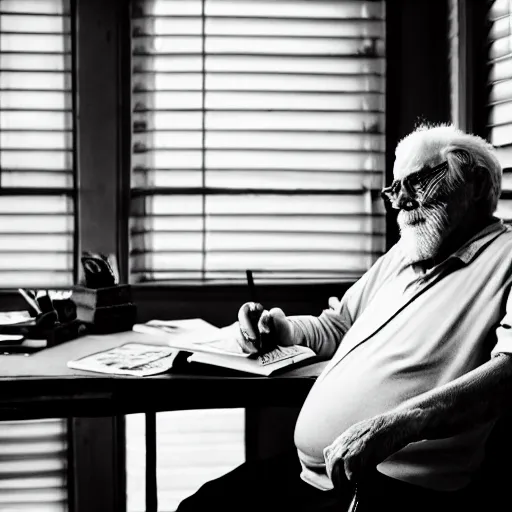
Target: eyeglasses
(419, 185)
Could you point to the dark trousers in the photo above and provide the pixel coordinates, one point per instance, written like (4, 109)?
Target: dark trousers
(274, 485)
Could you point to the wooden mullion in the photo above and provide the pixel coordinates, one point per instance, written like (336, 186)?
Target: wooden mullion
(151, 463)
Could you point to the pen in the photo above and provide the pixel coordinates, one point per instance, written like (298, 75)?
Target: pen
(263, 343)
(252, 286)
(30, 301)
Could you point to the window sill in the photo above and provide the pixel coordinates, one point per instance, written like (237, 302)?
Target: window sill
(217, 302)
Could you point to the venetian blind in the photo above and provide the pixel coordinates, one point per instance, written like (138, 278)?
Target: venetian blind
(33, 466)
(36, 158)
(258, 139)
(193, 447)
(500, 95)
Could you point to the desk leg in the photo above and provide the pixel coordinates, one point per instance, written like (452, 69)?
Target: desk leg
(151, 477)
(97, 464)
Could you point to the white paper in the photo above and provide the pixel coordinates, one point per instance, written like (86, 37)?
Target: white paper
(11, 337)
(195, 335)
(129, 359)
(14, 317)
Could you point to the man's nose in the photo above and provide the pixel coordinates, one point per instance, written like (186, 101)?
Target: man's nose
(405, 201)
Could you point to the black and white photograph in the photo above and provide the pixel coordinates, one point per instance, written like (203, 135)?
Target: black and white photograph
(255, 255)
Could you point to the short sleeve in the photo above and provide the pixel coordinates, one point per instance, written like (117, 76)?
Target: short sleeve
(504, 332)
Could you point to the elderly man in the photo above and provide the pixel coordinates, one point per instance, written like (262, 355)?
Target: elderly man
(419, 350)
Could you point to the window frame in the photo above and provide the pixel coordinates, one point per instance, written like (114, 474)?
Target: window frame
(103, 153)
(469, 66)
(216, 302)
(102, 218)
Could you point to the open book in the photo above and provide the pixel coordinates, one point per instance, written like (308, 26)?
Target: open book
(218, 347)
(265, 364)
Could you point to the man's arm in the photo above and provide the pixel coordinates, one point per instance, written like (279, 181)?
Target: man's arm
(475, 398)
(322, 334)
(261, 329)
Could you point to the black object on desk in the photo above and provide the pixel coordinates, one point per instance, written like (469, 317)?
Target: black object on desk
(105, 310)
(103, 305)
(99, 270)
(13, 346)
(54, 322)
(44, 327)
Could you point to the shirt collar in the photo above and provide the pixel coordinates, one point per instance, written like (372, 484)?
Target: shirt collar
(472, 247)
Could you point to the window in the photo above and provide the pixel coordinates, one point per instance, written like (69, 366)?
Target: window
(258, 143)
(33, 466)
(258, 139)
(193, 448)
(500, 95)
(298, 86)
(36, 143)
(36, 216)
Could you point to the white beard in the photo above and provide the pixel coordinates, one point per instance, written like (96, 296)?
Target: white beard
(422, 241)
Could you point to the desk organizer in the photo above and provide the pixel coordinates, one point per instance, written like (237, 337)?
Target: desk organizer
(63, 332)
(45, 326)
(105, 310)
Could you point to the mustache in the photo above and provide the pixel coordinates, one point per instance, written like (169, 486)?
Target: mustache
(433, 215)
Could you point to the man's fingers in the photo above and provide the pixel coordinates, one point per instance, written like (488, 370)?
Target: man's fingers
(264, 323)
(337, 474)
(335, 304)
(341, 477)
(242, 341)
(348, 470)
(268, 335)
(331, 456)
(248, 316)
(268, 319)
(342, 461)
(263, 330)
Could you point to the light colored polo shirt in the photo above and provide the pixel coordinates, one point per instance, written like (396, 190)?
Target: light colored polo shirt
(409, 331)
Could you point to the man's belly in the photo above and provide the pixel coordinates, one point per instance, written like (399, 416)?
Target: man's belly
(371, 381)
(365, 383)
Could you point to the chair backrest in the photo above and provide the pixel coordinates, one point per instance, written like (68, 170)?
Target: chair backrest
(492, 483)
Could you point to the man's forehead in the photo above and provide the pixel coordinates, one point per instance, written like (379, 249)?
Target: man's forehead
(414, 154)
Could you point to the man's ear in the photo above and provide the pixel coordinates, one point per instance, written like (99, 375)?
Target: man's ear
(481, 183)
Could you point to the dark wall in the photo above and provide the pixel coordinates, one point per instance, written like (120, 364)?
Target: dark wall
(219, 304)
(417, 75)
(418, 65)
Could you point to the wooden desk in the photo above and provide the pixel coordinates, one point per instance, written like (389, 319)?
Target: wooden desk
(42, 386)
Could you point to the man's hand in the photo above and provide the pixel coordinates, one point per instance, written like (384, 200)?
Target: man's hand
(366, 444)
(261, 330)
(335, 304)
(475, 398)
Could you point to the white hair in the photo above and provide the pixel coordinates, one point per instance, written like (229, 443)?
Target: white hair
(464, 152)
